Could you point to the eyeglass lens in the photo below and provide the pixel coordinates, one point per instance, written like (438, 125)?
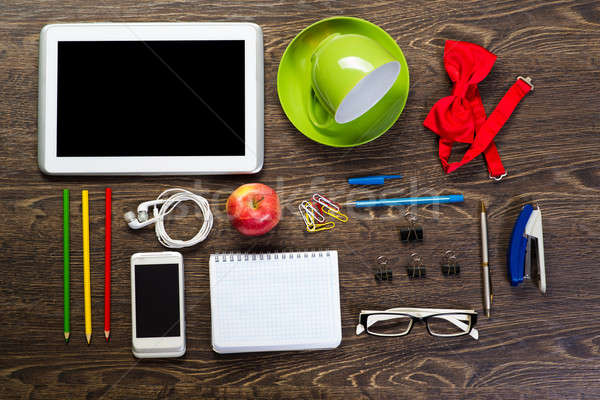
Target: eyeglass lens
(449, 324)
(386, 324)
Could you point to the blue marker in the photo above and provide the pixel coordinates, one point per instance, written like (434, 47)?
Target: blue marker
(452, 198)
(372, 180)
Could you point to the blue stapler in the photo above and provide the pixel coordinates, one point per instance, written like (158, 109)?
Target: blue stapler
(527, 229)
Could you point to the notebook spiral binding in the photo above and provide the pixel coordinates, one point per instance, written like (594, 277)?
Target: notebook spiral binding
(283, 255)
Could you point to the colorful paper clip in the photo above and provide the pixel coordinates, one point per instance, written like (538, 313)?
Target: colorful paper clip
(309, 220)
(324, 201)
(329, 207)
(312, 211)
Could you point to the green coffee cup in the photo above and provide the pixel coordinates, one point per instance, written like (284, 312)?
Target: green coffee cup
(350, 74)
(312, 116)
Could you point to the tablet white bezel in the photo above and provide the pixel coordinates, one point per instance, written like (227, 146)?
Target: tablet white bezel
(251, 162)
(155, 347)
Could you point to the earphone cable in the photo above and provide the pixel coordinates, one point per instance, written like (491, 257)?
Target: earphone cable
(175, 197)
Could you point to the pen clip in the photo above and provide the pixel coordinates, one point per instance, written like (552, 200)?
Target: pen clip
(491, 287)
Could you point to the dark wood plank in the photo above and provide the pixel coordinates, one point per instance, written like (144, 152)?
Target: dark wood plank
(533, 347)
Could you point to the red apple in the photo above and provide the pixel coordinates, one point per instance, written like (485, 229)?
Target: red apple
(253, 209)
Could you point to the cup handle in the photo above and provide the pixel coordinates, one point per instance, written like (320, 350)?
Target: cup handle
(313, 102)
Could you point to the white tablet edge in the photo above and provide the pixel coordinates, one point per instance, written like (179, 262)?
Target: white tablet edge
(252, 162)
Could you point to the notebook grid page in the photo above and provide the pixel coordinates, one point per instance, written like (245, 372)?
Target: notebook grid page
(274, 299)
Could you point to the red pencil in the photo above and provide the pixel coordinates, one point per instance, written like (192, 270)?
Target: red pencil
(107, 252)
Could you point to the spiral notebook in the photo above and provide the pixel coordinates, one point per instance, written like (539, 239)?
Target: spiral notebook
(277, 301)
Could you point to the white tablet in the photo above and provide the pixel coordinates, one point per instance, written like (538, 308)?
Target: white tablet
(150, 99)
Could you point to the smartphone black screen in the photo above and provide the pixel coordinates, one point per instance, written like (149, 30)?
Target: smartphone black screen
(157, 300)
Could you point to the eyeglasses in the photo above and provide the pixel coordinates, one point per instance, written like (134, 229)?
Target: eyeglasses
(399, 322)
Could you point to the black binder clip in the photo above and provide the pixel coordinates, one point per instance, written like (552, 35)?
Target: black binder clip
(412, 233)
(449, 265)
(415, 268)
(382, 272)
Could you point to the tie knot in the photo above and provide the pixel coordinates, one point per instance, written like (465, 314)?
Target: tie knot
(460, 89)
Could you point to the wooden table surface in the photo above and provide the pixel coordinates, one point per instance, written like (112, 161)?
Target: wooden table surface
(534, 346)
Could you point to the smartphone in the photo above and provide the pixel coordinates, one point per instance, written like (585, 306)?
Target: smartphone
(157, 306)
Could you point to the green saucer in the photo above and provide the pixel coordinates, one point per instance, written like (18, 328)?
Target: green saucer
(296, 94)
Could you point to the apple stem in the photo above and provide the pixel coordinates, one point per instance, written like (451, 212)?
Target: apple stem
(255, 202)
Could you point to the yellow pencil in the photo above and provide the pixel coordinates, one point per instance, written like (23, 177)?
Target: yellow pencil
(86, 265)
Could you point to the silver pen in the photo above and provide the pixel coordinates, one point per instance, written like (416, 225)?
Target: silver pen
(487, 282)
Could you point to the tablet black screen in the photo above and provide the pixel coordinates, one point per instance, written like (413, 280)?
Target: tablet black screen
(154, 98)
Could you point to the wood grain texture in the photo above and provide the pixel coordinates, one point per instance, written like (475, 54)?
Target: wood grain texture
(533, 347)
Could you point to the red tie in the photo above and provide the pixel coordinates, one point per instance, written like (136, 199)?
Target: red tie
(461, 117)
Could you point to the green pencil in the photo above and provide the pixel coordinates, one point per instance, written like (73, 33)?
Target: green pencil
(66, 268)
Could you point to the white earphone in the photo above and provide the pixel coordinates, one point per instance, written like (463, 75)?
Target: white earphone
(141, 220)
(167, 205)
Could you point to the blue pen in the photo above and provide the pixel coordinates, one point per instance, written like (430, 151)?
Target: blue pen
(372, 180)
(452, 198)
